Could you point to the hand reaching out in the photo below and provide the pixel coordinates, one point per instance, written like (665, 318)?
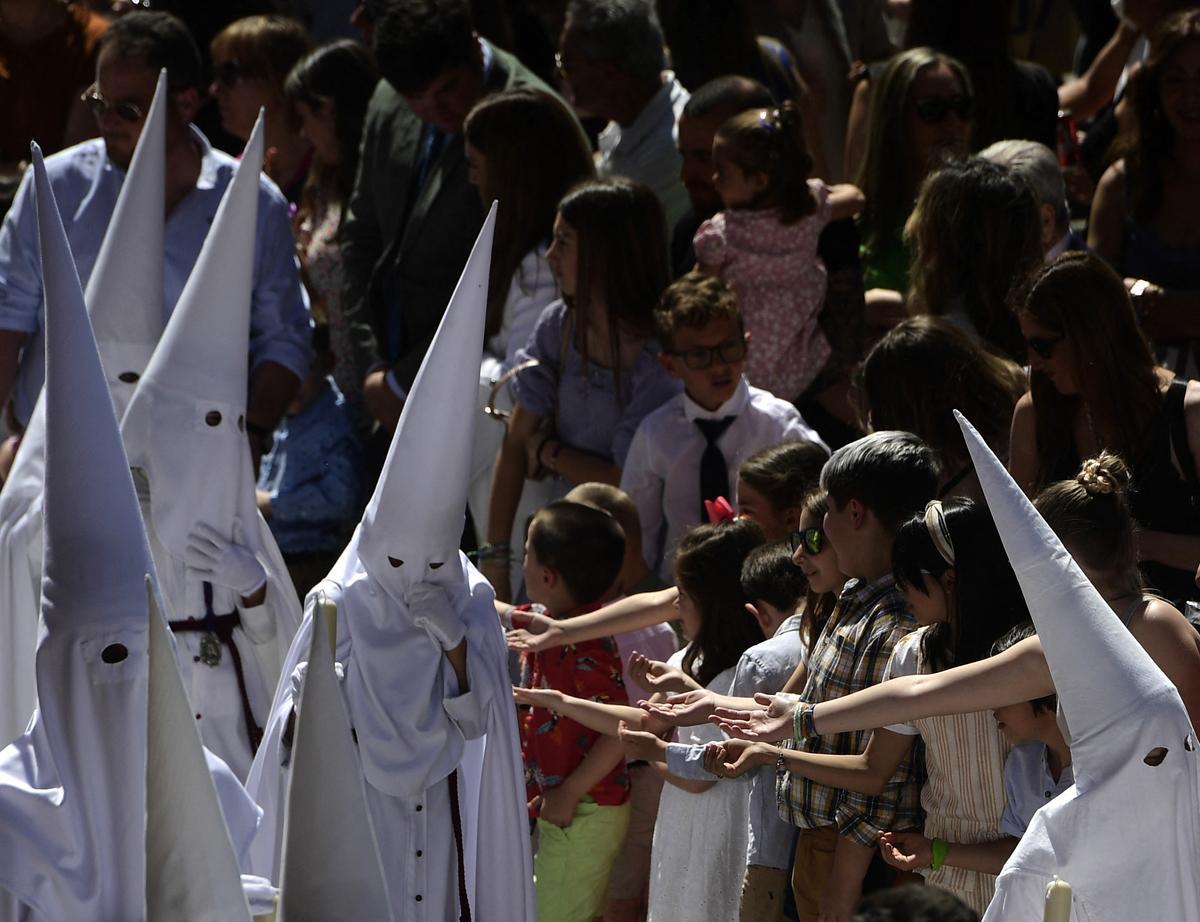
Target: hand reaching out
(733, 758)
(641, 745)
(907, 851)
(542, 633)
(686, 710)
(770, 723)
(656, 676)
(548, 698)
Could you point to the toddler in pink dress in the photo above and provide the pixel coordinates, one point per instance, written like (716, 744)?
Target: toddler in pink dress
(764, 244)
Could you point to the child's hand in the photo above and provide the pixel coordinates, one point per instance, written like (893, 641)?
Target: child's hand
(557, 807)
(687, 710)
(770, 723)
(548, 698)
(655, 676)
(640, 745)
(539, 634)
(733, 758)
(907, 851)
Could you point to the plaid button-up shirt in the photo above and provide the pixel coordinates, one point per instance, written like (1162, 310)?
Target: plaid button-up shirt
(851, 654)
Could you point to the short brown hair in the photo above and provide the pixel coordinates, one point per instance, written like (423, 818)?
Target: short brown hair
(583, 543)
(265, 47)
(694, 300)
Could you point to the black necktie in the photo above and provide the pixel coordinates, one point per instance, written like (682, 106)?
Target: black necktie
(714, 472)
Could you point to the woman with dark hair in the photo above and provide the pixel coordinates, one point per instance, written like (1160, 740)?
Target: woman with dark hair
(1143, 214)
(251, 59)
(920, 117)
(524, 149)
(924, 369)
(951, 566)
(1094, 386)
(329, 90)
(597, 372)
(975, 232)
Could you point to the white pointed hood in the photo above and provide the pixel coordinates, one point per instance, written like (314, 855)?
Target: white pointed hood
(74, 842)
(330, 864)
(185, 425)
(125, 290)
(1132, 813)
(125, 303)
(416, 513)
(192, 873)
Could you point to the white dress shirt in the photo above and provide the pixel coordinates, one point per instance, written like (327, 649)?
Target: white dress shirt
(662, 471)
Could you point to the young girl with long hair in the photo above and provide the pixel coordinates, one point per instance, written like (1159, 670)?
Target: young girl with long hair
(764, 244)
(597, 372)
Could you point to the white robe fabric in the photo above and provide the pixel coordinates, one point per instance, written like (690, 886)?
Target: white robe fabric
(410, 743)
(1126, 836)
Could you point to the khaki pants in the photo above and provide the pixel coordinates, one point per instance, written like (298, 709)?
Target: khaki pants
(763, 891)
(815, 849)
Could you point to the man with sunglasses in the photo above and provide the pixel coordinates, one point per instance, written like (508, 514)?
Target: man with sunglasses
(688, 451)
(87, 179)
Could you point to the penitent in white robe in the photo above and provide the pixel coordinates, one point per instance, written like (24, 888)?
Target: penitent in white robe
(414, 730)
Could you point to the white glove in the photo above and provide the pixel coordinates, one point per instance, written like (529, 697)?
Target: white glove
(430, 608)
(227, 563)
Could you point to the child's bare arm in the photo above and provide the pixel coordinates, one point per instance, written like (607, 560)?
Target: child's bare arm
(558, 804)
(627, 614)
(845, 200)
(911, 851)
(595, 715)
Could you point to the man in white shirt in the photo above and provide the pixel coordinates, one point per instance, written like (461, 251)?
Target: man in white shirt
(689, 449)
(611, 55)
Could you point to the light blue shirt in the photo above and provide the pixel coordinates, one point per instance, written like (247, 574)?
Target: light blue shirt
(765, 667)
(86, 184)
(1029, 785)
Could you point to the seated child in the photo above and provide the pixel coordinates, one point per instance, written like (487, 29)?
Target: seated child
(576, 779)
(309, 484)
(1037, 770)
(629, 882)
(689, 449)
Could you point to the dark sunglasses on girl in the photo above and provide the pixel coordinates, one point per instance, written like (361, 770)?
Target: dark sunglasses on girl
(811, 539)
(1043, 345)
(934, 109)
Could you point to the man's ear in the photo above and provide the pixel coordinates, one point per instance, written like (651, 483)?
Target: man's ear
(187, 103)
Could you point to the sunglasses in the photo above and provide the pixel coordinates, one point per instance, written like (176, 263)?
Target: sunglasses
(728, 352)
(934, 109)
(812, 540)
(228, 73)
(1043, 345)
(126, 111)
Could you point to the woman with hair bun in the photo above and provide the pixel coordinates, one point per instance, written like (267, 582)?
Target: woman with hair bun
(764, 244)
(1095, 387)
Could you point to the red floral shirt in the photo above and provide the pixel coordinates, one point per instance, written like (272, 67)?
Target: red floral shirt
(553, 746)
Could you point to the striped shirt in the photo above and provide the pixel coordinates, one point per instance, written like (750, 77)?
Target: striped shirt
(852, 653)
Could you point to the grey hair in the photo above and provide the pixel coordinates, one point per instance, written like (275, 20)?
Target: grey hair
(623, 32)
(1037, 165)
(892, 473)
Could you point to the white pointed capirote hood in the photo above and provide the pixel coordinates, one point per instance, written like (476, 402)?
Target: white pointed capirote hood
(72, 834)
(125, 290)
(192, 872)
(413, 524)
(185, 425)
(330, 863)
(1111, 691)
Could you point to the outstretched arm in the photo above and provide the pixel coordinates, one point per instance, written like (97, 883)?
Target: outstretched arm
(627, 614)
(595, 715)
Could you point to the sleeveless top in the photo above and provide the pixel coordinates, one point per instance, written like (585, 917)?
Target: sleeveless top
(1162, 490)
(963, 796)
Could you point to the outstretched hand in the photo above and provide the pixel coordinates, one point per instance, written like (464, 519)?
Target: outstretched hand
(908, 851)
(537, 632)
(657, 676)
(548, 698)
(687, 710)
(641, 745)
(769, 723)
(733, 758)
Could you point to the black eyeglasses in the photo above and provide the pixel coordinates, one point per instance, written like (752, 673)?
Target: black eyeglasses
(126, 111)
(228, 73)
(728, 352)
(934, 109)
(812, 540)
(1043, 345)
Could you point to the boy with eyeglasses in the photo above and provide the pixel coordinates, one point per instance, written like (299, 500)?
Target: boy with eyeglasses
(687, 453)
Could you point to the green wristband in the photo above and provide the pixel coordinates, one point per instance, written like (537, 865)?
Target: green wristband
(940, 849)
